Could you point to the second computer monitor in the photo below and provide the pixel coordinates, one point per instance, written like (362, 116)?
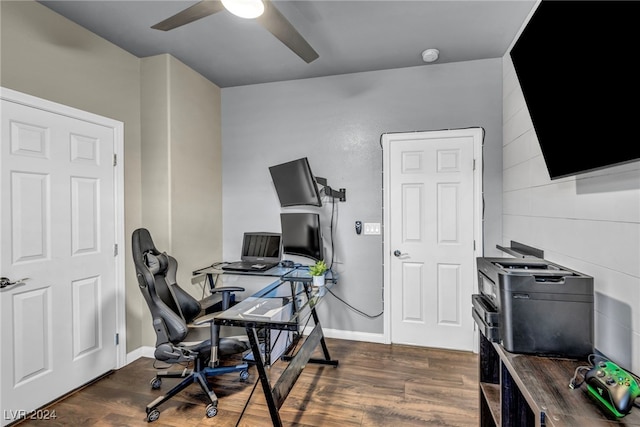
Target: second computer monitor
(302, 235)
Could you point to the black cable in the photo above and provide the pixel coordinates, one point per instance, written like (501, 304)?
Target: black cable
(573, 383)
(591, 359)
(433, 130)
(331, 232)
(362, 313)
(331, 236)
(332, 229)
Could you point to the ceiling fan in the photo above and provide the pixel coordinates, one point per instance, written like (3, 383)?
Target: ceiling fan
(271, 19)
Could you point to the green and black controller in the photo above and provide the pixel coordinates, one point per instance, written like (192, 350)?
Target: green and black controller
(612, 387)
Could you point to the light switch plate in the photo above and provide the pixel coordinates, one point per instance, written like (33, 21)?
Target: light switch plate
(371, 228)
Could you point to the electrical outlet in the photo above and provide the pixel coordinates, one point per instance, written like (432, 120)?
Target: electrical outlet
(371, 228)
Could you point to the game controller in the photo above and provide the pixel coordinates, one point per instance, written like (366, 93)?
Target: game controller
(612, 387)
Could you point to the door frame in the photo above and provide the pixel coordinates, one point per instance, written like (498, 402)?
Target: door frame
(118, 132)
(477, 133)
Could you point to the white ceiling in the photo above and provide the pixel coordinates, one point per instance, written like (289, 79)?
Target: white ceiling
(350, 36)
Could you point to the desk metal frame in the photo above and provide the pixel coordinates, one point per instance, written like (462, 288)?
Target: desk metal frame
(275, 395)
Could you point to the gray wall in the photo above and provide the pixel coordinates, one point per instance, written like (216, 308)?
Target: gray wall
(181, 157)
(70, 65)
(588, 222)
(48, 56)
(337, 122)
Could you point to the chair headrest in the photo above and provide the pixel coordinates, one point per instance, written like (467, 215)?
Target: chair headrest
(157, 264)
(142, 242)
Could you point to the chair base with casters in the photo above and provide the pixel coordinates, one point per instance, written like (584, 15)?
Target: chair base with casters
(202, 360)
(199, 375)
(198, 348)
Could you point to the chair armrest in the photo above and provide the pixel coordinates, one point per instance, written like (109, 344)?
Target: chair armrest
(210, 301)
(207, 318)
(227, 293)
(227, 289)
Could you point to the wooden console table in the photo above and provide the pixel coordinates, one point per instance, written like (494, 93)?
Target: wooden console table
(518, 390)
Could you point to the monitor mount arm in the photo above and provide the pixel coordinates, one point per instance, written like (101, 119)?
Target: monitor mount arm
(340, 194)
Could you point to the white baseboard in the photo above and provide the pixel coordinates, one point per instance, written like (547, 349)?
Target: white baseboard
(349, 335)
(147, 351)
(144, 351)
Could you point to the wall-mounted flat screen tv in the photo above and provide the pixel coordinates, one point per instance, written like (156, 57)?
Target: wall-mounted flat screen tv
(576, 62)
(295, 183)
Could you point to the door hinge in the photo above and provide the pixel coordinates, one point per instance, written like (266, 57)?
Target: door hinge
(115, 250)
(117, 338)
(474, 245)
(115, 160)
(474, 164)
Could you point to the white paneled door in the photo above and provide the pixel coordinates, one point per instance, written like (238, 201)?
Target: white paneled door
(431, 221)
(59, 229)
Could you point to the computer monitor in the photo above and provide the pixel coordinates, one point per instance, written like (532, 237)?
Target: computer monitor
(301, 235)
(295, 183)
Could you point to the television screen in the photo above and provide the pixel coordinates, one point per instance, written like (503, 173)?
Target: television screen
(295, 184)
(301, 235)
(575, 61)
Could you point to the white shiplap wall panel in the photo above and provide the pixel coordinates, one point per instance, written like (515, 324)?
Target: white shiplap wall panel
(509, 79)
(539, 174)
(517, 227)
(616, 193)
(589, 222)
(519, 177)
(591, 200)
(513, 99)
(549, 200)
(518, 124)
(517, 151)
(517, 202)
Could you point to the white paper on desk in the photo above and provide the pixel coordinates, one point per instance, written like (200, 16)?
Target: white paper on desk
(267, 309)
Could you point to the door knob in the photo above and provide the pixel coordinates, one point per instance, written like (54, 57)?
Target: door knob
(398, 254)
(4, 282)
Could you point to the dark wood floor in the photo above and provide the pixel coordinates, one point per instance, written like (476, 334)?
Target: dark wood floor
(375, 385)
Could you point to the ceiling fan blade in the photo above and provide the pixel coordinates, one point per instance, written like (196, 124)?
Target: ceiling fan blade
(280, 27)
(190, 14)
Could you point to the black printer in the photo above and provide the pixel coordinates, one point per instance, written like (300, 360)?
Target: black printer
(533, 306)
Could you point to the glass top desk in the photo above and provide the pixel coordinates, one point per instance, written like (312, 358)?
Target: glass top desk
(287, 305)
(211, 303)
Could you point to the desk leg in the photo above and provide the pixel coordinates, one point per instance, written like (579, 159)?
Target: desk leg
(211, 280)
(325, 350)
(262, 374)
(327, 358)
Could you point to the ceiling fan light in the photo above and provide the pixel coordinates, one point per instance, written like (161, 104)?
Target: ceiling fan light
(248, 9)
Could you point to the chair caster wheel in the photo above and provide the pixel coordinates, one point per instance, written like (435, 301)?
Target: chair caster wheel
(155, 383)
(153, 415)
(244, 375)
(211, 410)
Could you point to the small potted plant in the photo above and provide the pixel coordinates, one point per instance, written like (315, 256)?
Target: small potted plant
(317, 272)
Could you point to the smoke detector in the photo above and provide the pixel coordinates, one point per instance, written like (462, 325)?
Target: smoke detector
(430, 55)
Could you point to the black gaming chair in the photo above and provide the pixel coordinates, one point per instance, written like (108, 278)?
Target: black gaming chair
(182, 336)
